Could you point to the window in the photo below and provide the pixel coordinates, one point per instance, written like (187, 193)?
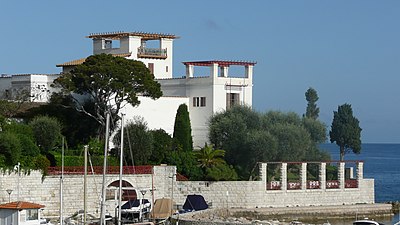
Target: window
(199, 101)
(232, 99)
(166, 69)
(32, 214)
(196, 102)
(151, 67)
(203, 101)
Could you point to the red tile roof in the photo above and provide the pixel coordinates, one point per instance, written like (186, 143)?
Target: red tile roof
(21, 205)
(220, 63)
(119, 34)
(80, 61)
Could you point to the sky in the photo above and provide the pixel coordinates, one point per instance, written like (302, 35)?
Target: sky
(347, 50)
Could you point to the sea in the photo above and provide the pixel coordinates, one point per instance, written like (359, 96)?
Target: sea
(382, 163)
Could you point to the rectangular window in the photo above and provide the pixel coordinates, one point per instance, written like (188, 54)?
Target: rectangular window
(151, 67)
(196, 102)
(203, 101)
(166, 69)
(199, 101)
(32, 214)
(232, 99)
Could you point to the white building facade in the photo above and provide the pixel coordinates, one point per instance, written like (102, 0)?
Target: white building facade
(27, 87)
(204, 95)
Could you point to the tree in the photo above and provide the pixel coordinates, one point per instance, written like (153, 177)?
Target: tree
(182, 129)
(138, 142)
(110, 82)
(249, 137)
(162, 146)
(209, 157)
(47, 132)
(10, 148)
(312, 110)
(345, 131)
(63, 107)
(186, 164)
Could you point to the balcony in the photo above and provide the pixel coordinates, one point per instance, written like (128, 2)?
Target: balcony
(155, 53)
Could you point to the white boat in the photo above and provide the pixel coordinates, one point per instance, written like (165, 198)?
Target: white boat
(366, 222)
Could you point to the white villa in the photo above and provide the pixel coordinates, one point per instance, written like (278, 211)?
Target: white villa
(204, 95)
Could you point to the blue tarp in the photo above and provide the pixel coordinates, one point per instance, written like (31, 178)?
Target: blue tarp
(133, 203)
(195, 202)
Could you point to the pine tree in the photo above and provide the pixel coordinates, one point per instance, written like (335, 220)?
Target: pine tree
(345, 131)
(312, 110)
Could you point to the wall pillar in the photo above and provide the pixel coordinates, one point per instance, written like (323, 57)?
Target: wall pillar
(360, 172)
(263, 174)
(249, 71)
(341, 174)
(214, 70)
(303, 176)
(322, 176)
(189, 71)
(284, 176)
(224, 71)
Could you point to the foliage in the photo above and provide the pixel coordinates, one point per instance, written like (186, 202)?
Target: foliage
(8, 108)
(186, 164)
(77, 127)
(162, 146)
(312, 110)
(209, 157)
(138, 142)
(96, 147)
(345, 131)
(249, 137)
(110, 82)
(316, 129)
(221, 172)
(42, 163)
(10, 148)
(293, 142)
(182, 128)
(28, 147)
(47, 132)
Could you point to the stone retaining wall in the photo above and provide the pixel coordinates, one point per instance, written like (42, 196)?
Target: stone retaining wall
(224, 194)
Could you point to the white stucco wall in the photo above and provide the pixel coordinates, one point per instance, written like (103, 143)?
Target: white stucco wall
(158, 113)
(162, 67)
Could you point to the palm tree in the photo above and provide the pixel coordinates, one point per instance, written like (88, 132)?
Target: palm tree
(209, 157)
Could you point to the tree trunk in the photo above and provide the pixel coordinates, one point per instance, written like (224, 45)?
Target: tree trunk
(342, 153)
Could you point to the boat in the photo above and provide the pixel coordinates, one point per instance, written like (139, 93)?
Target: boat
(366, 221)
(162, 211)
(194, 203)
(134, 210)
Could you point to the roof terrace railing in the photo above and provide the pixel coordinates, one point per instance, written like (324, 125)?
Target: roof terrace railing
(152, 53)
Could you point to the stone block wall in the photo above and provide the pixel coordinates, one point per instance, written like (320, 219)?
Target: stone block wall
(232, 194)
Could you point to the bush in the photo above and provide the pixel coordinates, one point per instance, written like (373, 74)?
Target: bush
(47, 132)
(221, 172)
(10, 147)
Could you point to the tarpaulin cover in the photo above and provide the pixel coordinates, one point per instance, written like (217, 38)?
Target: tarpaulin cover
(162, 208)
(195, 202)
(133, 203)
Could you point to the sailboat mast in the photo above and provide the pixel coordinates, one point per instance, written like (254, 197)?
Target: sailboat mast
(61, 184)
(103, 191)
(120, 170)
(85, 187)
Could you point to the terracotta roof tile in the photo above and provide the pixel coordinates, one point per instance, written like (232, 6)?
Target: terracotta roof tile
(80, 61)
(21, 205)
(119, 34)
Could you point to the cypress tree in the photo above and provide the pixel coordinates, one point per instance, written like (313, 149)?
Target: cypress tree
(182, 128)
